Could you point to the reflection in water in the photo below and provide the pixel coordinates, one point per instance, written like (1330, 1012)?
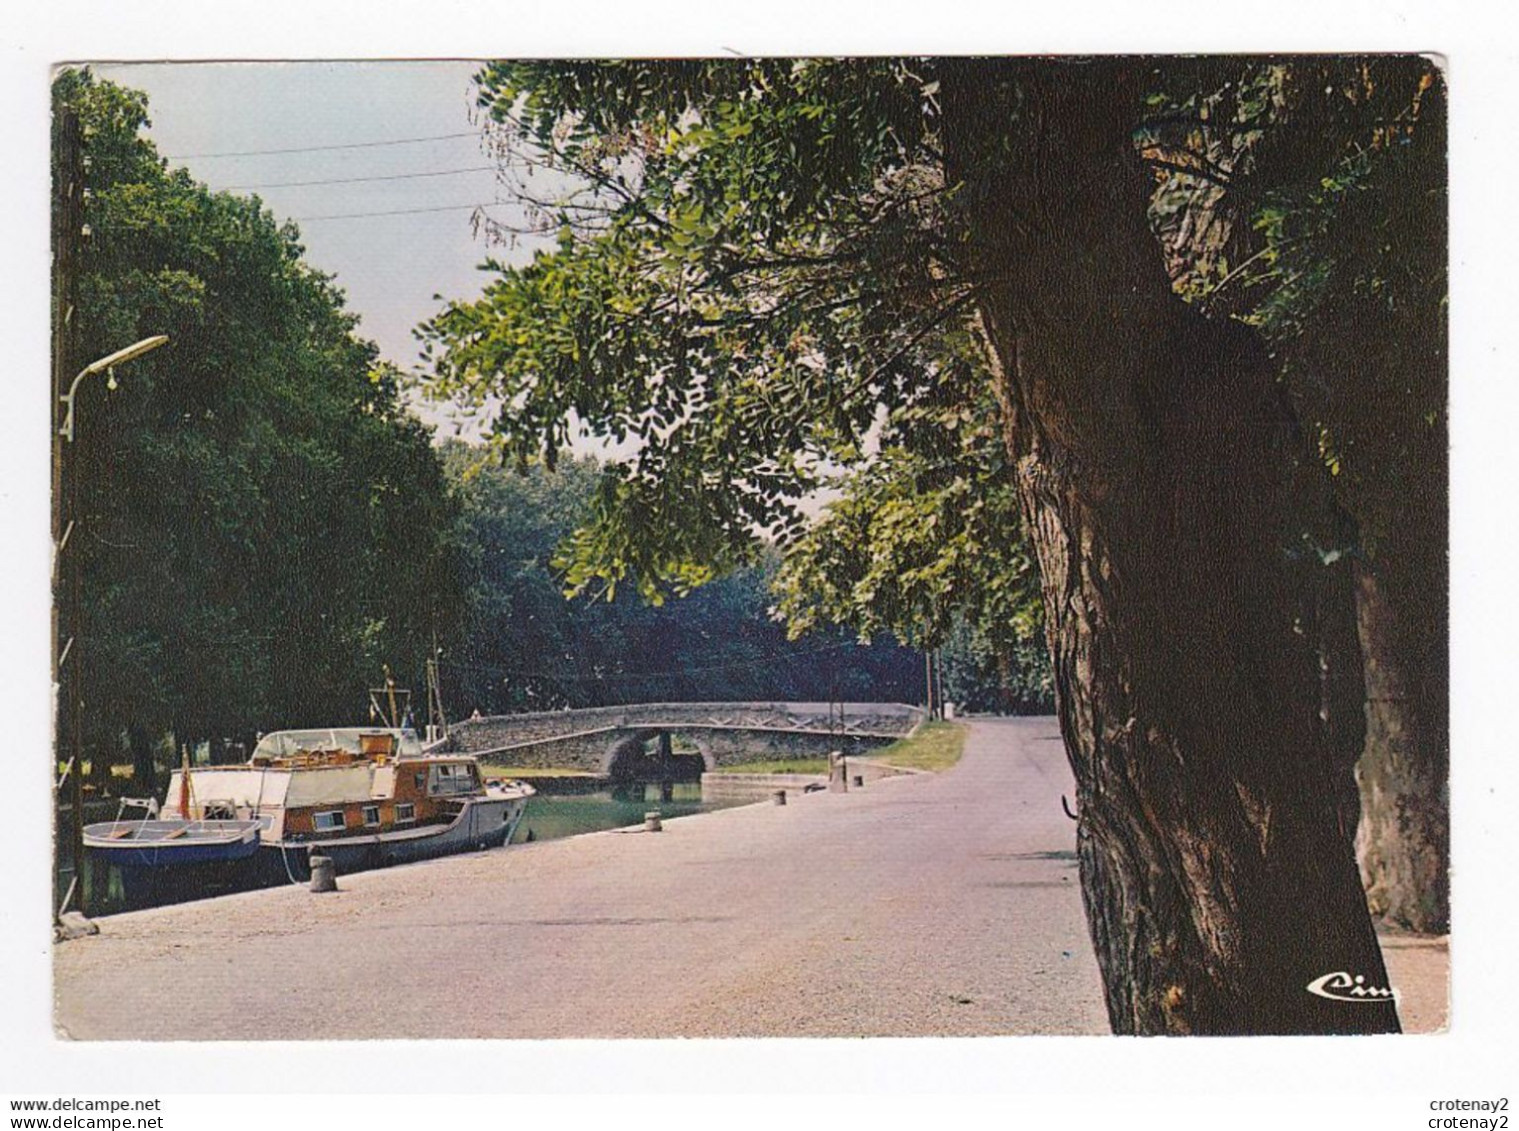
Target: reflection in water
(568, 807)
(113, 889)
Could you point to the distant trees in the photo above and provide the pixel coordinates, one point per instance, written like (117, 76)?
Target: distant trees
(521, 644)
(262, 524)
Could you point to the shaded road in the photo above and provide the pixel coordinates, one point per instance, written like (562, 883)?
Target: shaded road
(922, 906)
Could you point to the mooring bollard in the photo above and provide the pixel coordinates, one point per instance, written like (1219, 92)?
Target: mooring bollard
(859, 781)
(324, 874)
(651, 822)
(779, 797)
(838, 774)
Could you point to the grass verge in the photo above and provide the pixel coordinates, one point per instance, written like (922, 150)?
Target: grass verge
(777, 766)
(935, 746)
(533, 772)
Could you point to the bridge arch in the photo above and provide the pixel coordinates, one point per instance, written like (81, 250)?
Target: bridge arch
(610, 739)
(628, 756)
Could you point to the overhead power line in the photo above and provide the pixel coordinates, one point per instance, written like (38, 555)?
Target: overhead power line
(358, 180)
(320, 148)
(396, 212)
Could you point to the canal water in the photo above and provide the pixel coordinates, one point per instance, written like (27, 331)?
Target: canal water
(563, 807)
(570, 806)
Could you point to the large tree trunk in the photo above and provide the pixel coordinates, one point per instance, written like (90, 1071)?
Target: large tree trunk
(1381, 388)
(1404, 837)
(1187, 611)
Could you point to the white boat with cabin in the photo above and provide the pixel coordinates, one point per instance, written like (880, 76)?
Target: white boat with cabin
(363, 796)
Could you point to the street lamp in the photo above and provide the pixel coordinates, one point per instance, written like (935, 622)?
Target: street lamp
(135, 350)
(69, 597)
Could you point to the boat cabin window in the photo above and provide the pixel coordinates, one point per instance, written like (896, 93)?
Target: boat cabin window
(451, 777)
(328, 821)
(377, 744)
(371, 816)
(405, 811)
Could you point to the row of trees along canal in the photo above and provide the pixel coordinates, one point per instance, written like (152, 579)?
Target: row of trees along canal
(1180, 322)
(1172, 329)
(266, 527)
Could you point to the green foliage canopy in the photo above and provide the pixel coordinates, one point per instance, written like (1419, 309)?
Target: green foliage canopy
(756, 259)
(738, 246)
(756, 269)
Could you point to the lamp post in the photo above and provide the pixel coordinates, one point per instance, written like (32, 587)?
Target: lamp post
(106, 364)
(66, 493)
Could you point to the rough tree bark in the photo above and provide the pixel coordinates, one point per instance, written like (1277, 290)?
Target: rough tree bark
(1403, 840)
(1161, 484)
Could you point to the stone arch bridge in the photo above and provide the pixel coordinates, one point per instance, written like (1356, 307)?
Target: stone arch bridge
(679, 741)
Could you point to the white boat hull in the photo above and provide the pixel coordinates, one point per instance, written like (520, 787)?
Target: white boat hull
(482, 822)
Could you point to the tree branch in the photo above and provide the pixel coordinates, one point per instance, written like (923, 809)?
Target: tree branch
(1202, 174)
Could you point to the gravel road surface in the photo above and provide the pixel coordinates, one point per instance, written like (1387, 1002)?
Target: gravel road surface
(926, 905)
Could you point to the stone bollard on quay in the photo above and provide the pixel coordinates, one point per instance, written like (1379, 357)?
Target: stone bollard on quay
(838, 772)
(652, 822)
(324, 874)
(779, 797)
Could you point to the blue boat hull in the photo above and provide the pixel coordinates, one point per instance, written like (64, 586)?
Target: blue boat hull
(171, 844)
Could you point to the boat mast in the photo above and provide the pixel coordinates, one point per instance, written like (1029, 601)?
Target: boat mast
(390, 695)
(437, 721)
(385, 702)
(184, 782)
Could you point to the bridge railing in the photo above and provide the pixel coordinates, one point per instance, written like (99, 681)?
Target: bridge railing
(873, 719)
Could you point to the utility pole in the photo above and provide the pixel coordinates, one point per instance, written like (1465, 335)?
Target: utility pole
(835, 705)
(68, 564)
(68, 229)
(437, 721)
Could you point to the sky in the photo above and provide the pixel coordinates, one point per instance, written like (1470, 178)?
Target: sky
(401, 139)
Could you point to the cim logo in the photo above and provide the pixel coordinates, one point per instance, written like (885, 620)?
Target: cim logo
(1340, 986)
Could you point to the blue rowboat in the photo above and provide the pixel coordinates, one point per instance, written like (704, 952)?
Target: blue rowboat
(169, 843)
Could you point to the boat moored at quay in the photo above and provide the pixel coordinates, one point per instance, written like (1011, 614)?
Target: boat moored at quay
(155, 842)
(152, 843)
(365, 797)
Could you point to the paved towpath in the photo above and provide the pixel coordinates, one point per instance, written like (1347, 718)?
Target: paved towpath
(924, 905)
